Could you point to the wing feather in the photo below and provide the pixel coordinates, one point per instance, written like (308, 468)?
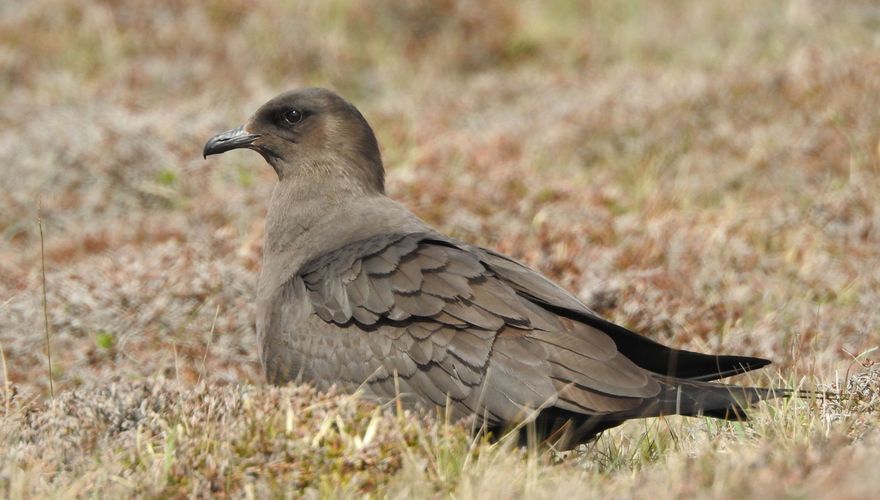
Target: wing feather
(453, 323)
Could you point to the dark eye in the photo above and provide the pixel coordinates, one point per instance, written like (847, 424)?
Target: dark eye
(292, 116)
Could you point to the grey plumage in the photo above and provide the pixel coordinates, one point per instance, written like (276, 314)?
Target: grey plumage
(358, 292)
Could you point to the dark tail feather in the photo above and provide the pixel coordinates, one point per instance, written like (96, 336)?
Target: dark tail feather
(729, 402)
(565, 429)
(695, 398)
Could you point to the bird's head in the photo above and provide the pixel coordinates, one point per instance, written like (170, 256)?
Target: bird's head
(309, 132)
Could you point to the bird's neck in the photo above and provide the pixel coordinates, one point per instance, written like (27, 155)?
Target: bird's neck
(312, 217)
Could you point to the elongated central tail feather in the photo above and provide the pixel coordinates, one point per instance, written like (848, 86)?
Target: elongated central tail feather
(693, 398)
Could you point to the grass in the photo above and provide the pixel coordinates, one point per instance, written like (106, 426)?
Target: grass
(163, 438)
(703, 172)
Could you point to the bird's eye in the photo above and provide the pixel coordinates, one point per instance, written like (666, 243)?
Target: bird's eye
(292, 116)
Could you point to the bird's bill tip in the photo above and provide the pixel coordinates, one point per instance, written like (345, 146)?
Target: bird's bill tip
(231, 139)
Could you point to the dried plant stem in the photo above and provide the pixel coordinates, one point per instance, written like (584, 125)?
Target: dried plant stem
(208, 344)
(7, 387)
(45, 302)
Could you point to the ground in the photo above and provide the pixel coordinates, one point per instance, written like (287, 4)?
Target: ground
(706, 173)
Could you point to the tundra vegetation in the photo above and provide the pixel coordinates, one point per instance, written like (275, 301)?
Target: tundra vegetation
(706, 173)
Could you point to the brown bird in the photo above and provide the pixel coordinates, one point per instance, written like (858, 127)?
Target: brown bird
(358, 292)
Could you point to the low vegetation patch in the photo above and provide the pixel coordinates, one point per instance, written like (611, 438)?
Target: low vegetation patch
(705, 173)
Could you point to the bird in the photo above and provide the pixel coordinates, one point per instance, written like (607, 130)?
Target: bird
(357, 292)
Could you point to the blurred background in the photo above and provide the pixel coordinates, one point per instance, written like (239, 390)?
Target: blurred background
(706, 173)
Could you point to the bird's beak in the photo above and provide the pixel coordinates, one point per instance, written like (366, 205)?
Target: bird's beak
(231, 139)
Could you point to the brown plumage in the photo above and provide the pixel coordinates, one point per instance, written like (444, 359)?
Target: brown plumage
(358, 292)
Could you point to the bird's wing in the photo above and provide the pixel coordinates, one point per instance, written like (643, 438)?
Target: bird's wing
(440, 318)
(643, 351)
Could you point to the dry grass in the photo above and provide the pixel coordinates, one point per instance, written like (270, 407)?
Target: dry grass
(704, 172)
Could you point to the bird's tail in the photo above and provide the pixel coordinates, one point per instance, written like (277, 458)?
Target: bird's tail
(565, 429)
(694, 398)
